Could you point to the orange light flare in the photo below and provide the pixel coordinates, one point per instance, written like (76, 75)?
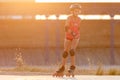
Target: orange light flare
(82, 1)
(83, 17)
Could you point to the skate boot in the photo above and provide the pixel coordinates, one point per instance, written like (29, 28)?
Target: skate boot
(71, 71)
(59, 72)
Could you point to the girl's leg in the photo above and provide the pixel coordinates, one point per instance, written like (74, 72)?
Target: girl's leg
(72, 51)
(67, 46)
(72, 54)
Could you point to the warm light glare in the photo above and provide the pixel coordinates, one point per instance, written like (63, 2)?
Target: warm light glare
(83, 17)
(60, 17)
(96, 17)
(105, 17)
(117, 17)
(63, 17)
(52, 17)
(40, 17)
(16, 17)
(90, 1)
(92, 17)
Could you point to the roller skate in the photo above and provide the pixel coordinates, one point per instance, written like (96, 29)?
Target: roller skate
(59, 72)
(71, 71)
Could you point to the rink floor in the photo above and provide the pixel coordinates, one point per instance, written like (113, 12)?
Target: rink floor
(49, 77)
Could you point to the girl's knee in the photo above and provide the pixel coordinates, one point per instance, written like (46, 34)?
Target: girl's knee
(72, 52)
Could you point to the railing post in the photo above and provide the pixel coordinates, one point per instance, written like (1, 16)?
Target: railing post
(112, 60)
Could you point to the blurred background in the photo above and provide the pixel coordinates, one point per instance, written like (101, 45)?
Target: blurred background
(36, 30)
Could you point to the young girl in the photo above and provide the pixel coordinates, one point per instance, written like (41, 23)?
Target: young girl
(72, 35)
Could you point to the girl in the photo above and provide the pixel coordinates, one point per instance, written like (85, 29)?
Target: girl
(72, 35)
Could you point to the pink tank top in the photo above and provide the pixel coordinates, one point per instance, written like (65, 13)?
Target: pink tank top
(74, 27)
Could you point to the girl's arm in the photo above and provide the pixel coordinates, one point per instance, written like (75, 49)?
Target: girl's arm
(67, 24)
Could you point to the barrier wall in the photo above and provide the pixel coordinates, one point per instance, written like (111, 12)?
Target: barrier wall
(41, 42)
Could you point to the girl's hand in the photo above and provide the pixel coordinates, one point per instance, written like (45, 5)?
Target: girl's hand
(69, 31)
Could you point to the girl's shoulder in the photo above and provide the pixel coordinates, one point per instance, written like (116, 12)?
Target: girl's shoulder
(70, 17)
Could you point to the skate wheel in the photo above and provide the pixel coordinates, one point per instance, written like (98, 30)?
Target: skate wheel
(58, 75)
(54, 75)
(73, 75)
(68, 75)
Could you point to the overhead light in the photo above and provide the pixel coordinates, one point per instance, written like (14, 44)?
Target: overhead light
(52, 17)
(117, 17)
(62, 17)
(40, 17)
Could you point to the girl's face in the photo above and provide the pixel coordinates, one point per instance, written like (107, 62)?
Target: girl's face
(76, 12)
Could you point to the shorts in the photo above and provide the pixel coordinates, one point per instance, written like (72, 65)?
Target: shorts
(70, 37)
